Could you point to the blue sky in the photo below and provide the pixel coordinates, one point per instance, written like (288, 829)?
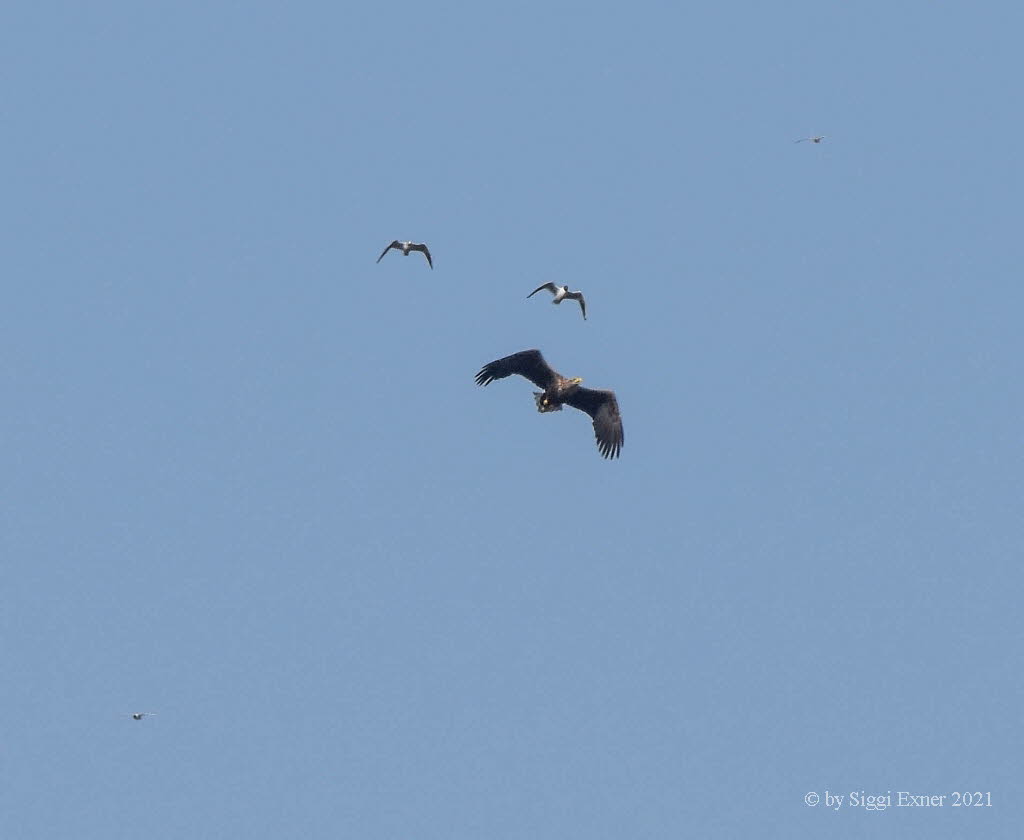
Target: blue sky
(250, 484)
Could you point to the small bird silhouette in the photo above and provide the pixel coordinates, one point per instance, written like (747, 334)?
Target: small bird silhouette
(405, 248)
(561, 293)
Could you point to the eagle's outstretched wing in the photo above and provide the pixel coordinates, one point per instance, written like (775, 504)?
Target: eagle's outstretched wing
(604, 408)
(528, 363)
(394, 244)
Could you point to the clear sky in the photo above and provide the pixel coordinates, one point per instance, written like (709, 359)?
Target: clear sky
(248, 482)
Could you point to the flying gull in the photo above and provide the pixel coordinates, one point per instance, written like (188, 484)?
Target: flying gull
(405, 248)
(561, 293)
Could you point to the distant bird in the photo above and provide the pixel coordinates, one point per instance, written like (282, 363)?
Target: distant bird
(140, 715)
(816, 139)
(405, 248)
(561, 293)
(558, 391)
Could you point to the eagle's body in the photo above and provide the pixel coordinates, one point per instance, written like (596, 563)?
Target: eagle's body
(405, 248)
(555, 395)
(558, 391)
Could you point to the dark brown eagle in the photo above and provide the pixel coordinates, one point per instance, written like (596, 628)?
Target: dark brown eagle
(559, 391)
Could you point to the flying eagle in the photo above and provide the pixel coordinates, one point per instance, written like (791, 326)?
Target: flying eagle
(405, 248)
(561, 293)
(559, 391)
